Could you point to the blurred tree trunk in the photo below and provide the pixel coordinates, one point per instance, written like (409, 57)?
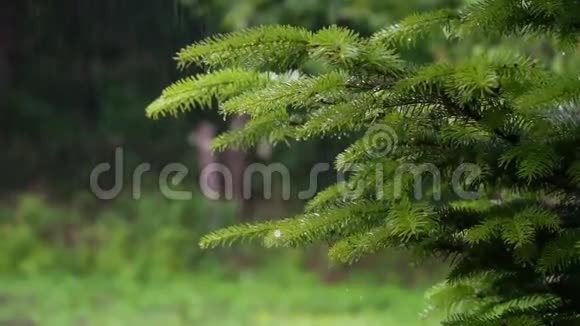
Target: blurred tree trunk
(84, 40)
(10, 13)
(236, 161)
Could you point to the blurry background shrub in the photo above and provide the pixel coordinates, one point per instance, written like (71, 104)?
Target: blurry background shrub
(147, 238)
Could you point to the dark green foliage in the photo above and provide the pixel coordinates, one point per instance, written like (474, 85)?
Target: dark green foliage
(516, 125)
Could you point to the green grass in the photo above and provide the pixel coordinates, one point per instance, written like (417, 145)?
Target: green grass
(117, 246)
(263, 298)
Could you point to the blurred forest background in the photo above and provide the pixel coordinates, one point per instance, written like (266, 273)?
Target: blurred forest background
(75, 77)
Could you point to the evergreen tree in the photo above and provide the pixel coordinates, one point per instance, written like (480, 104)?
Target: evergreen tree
(498, 134)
